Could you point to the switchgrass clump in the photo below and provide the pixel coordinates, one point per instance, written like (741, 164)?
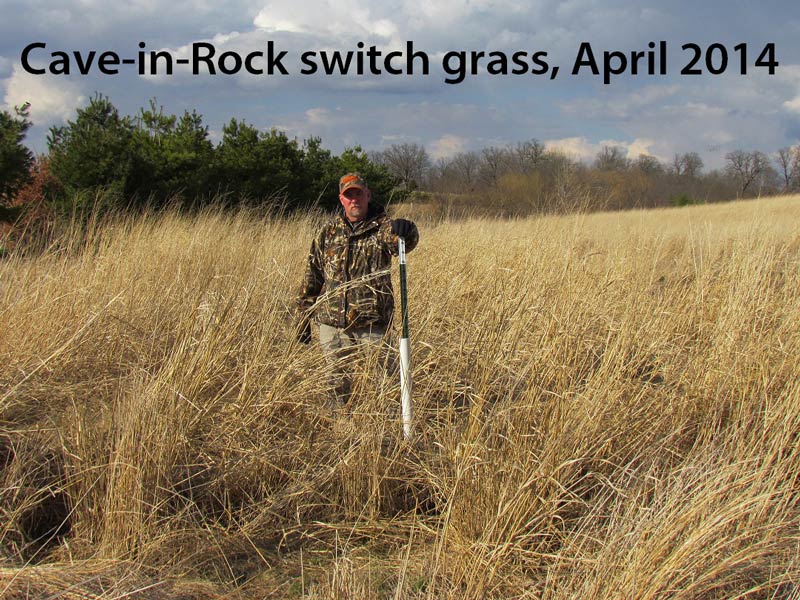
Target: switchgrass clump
(607, 406)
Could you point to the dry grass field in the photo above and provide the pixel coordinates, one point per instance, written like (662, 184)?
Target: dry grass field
(608, 406)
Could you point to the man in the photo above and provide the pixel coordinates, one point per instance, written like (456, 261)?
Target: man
(347, 282)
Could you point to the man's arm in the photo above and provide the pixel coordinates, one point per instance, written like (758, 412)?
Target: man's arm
(313, 280)
(402, 228)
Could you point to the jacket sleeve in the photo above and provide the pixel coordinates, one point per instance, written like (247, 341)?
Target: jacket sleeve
(313, 280)
(390, 239)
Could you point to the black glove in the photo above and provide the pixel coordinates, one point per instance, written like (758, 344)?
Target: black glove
(304, 334)
(402, 227)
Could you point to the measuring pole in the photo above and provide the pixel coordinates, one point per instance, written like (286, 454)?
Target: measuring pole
(405, 348)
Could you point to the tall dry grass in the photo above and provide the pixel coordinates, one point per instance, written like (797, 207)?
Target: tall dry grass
(608, 407)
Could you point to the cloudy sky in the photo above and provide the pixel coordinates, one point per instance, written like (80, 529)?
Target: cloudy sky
(655, 114)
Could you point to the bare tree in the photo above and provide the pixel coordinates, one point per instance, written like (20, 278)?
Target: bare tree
(677, 165)
(466, 166)
(527, 156)
(649, 165)
(692, 164)
(788, 160)
(568, 192)
(746, 167)
(687, 165)
(493, 163)
(408, 162)
(612, 158)
(442, 176)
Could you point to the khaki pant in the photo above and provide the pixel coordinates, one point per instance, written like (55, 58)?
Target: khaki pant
(342, 346)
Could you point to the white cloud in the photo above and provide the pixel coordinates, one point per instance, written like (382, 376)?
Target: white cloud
(53, 100)
(318, 116)
(421, 13)
(583, 149)
(577, 147)
(436, 26)
(639, 146)
(343, 18)
(790, 74)
(793, 105)
(378, 126)
(447, 146)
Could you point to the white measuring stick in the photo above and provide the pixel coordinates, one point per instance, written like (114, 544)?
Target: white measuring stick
(405, 349)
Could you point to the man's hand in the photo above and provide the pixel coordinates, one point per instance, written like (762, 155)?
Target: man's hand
(304, 334)
(402, 227)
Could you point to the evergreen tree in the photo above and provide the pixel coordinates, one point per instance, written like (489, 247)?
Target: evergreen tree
(15, 159)
(321, 176)
(255, 166)
(95, 151)
(174, 155)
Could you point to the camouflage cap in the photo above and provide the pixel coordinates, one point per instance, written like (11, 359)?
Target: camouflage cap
(351, 180)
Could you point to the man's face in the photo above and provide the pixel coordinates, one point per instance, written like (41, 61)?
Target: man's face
(354, 201)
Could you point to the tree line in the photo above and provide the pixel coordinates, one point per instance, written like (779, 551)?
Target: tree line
(152, 158)
(528, 177)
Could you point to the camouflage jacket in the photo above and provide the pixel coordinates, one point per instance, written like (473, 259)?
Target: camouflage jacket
(348, 280)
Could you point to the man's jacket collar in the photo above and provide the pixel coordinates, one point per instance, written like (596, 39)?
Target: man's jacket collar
(374, 212)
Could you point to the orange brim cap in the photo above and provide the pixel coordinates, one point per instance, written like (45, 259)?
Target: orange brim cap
(351, 180)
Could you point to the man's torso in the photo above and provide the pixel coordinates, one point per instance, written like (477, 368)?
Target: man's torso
(357, 289)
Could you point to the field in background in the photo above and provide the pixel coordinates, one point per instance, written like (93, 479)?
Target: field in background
(609, 407)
